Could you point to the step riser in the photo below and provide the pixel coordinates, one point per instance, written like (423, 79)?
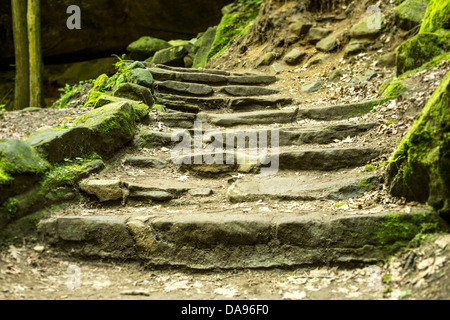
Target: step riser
(231, 242)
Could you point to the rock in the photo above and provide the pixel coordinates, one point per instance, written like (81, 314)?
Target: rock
(146, 162)
(294, 57)
(141, 77)
(173, 56)
(18, 157)
(247, 91)
(329, 43)
(356, 46)
(146, 47)
(317, 34)
(335, 75)
(249, 118)
(387, 60)
(266, 59)
(410, 13)
(312, 86)
(319, 59)
(368, 27)
(134, 92)
(300, 28)
(420, 49)
(201, 192)
(57, 144)
(185, 88)
(152, 139)
(104, 190)
(178, 120)
(203, 46)
(437, 16)
(112, 126)
(419, 168)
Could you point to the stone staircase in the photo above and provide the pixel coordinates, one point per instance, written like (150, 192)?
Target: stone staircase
(252, 204)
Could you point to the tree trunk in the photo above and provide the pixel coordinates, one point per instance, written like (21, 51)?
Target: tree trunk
(36, 64)
(22, 82)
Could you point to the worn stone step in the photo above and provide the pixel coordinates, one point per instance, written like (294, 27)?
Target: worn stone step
(193, 70)
(249, 118)
(179, 106)
(338, 112)
(302, 187)
(160, 74)
(287, 136)
(243, 91)
(235, 104)
(154, 189)
(229, 240)
(271, 162)
(177, 87)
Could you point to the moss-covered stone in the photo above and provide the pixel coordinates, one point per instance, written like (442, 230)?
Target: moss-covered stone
(173, 56)
(18, 157)
(410, 13)
(112, 126)
(368, 27)
(420, 168)
(203, 46)
(134, 92)
(437, 16)
(146, 47)
(421, 49)
(234, 23)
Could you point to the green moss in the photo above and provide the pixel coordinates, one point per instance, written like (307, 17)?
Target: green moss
(234, 24)
(410, 13)
(421, 49)
(10, 206)
(437, 16)
(69, 92)
(369, 168)
(419, 170)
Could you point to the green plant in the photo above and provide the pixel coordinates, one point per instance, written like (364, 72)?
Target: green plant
(369, 168)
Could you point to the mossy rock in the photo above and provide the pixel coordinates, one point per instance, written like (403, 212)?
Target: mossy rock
(134, 92)
(420, 168)
(410, 13)
(368, 27)
(203, 46)
(235, 22)
(421, 49)
(146, 47)
(173, 56)
(56, 144)
(437, 16)
(112, 126)
(141, 77)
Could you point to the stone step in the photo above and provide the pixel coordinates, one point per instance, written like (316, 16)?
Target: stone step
(304, 186)
(288, 115)
(269, 163)
(287, 136)
(215, 102)
(154, 189)
(231, 240)
(194, 89)
(161, 74)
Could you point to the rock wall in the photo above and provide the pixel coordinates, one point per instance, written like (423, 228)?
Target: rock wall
(108, 26)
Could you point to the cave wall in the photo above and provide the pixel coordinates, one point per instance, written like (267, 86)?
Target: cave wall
(108, 26)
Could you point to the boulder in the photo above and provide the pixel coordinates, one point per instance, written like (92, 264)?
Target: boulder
(368, 27)
(410, 13)
(173, 56)
(104, 190)
(437, 16)
(266, 59)
(329, 43)
(203, 47)
(300, 28)
(317, 34)
(140, 76)
(419, 170)
(356, 46)
(294, 57)
(146, 47)
(134, 92)
(312, 86)
(421, 49)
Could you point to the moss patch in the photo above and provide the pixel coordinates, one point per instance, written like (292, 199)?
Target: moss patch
(420, 168)
(234, 23)
(437, 16)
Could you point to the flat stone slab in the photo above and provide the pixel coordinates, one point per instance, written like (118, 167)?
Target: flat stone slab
(224, 240)
(105, 190)
(185, 88)
(242, 91)
(304, 187)
(146, 162)
(250, 118)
